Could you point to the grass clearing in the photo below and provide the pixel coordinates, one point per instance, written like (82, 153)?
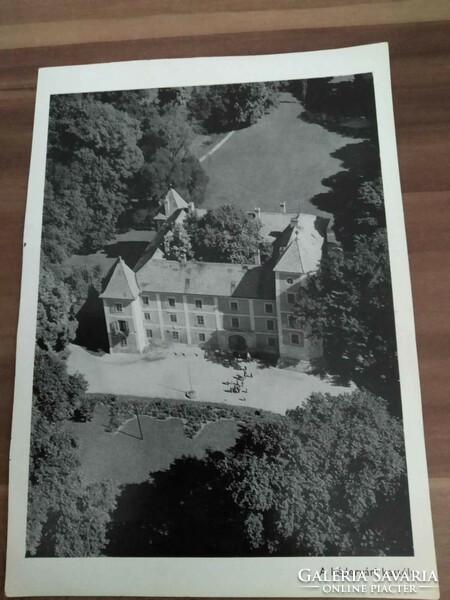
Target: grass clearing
(280, 158)
(119, 445)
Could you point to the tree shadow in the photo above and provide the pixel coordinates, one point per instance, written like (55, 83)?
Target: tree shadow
(182, 511)
(91, 331)
(131, 252)
(357, 128)
(360, 163)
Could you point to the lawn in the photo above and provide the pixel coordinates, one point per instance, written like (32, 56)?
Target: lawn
(126, 456)
(280, 158)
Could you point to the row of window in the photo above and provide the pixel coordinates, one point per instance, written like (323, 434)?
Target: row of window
(174, 318)
(234, 306)
(296, 338)
(200, 320)
(235, 322)
(171, 302)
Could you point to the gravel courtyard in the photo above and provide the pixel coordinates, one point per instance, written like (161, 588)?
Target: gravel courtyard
(169, 373)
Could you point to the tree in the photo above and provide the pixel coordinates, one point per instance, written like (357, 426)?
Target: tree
(349, 303)
(56, 324)
(92, 154)
(331, 480)
(81, 279)
(81, 521)
(226, 107)
(57, 395)
(337, 97)
(327, 479)
(179, 244)
(357, 204)
(166, 140)
(66, 515)
(226, 234)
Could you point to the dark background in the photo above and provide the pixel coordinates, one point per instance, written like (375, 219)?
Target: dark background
(60, 32)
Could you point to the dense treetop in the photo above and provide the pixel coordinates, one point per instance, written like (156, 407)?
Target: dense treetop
(226, 234)
(327, 479)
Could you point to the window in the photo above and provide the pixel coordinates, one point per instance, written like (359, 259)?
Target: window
(118, 307)
(175, 335)
(200, 320)
(289, 280)
(268, 308)
(201, 337)
(271, 342)
(291, 298)
(149, 333)
(235, 322)
(297, 339)
(270, 324)
(123, 326)
(171, 302)
(173, 318)
(199, 304)
(291, 321)
(145, 300)
(147, 316)
(234, 306)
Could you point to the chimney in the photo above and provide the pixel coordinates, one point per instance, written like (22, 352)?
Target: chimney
(283, 207)
(257, 258)
(294, 221)
(191, 207)
(257, 212)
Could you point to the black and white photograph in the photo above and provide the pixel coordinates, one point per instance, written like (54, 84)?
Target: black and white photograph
(215, 370)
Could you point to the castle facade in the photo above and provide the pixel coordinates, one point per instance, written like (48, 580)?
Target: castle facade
(241, 308)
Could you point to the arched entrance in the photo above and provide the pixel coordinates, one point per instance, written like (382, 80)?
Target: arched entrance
(237, 343)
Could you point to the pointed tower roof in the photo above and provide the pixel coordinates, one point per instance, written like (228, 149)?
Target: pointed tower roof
(304, 248)
(173, 201)
(122, 285)
(291, 259)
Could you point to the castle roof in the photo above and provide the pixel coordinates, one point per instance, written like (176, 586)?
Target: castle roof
(303, 242)
(209, 279)
(153, 250)
(172, 202)
(273, 223)
(122, 284)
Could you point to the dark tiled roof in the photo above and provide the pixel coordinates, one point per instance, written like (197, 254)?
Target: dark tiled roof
(158, 241)
(209, 279)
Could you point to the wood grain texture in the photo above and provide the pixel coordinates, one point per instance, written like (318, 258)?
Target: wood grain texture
(57, 32)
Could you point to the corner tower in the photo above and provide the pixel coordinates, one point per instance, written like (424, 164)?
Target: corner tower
(123, 311)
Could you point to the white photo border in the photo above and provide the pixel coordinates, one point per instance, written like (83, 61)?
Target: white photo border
(210, 577)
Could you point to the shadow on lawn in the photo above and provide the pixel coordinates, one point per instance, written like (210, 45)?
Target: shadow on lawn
(131, 252)
(357, 127)
(182, 511)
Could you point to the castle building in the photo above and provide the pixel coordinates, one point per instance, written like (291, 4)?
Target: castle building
(242, 308)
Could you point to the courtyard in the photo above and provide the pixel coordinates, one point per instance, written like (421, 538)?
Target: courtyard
(170, 372)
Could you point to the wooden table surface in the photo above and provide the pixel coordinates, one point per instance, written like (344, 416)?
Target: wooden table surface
(40, 33)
